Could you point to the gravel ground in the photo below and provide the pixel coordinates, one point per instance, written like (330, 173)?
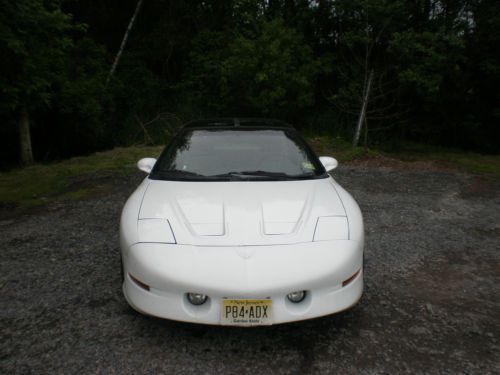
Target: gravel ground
(431, 302)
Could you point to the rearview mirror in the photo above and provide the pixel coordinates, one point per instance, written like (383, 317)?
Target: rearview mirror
(329, 163)
(146, 164)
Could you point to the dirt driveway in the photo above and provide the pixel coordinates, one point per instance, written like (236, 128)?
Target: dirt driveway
(431, 303)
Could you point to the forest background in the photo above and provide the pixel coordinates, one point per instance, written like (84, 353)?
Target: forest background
(82, 76)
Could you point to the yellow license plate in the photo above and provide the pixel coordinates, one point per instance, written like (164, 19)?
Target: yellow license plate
(246, 311)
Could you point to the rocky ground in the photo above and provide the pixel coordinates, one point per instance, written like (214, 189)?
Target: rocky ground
(431, 301)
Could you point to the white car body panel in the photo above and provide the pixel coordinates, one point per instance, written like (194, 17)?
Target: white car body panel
(242, 239)
(239, 213)
(226, 272)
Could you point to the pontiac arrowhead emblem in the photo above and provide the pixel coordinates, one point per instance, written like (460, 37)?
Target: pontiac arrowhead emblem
(246, 251)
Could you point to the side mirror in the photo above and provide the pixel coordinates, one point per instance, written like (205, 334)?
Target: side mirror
(146, 164)
(329, 163)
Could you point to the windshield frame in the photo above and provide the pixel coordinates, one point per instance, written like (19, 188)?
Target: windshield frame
(159, 175)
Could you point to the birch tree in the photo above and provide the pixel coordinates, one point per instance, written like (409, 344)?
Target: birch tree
(124, 41)
(367, 88)
(364, 88)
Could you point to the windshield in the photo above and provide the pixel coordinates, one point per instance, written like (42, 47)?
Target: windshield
(237, 154)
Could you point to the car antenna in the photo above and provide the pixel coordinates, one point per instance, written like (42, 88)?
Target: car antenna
(236, 121)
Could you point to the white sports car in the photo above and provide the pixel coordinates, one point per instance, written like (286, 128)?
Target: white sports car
(239, 223)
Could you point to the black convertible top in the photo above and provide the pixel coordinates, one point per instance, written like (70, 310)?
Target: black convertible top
(229, 122)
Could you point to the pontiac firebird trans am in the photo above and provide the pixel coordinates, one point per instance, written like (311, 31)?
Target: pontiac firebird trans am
(239, 223)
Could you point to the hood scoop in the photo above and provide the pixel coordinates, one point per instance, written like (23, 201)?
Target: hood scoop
(282, 216)
(241, 213)
(201, 216)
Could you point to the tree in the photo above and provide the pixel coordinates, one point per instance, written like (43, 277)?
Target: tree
(124, 41)
(429, 64)
(481, 113)
(425, 71)
(34, 40)
(268, 70)
(355, 34)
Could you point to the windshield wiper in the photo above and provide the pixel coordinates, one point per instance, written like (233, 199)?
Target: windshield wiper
(245, 175)
(177, 173)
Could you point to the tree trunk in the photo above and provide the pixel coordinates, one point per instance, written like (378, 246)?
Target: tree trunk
(124, 41)
(362, 114)
(26, 153)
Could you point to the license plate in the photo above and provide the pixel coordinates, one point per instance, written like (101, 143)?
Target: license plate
(246, 311)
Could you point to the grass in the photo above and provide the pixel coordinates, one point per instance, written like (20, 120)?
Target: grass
(339, 148)
(41, 183)
(468, 161)
(72, 179)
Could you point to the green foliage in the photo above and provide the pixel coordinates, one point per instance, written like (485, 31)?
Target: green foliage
(269, 71)
(425, 59)
(129, 110)
(278, 67)
(56, 73)
(34, 40)
(78, 96)
(436, 69)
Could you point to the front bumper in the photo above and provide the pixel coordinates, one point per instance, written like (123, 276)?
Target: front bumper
(245, 272)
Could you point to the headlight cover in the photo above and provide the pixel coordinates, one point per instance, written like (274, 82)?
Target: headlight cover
(155, 230)
(330, 228)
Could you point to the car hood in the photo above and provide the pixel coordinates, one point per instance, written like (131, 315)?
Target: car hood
(239, 213)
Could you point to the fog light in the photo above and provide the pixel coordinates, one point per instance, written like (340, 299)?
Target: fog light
(297, 297)
(197, 298)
